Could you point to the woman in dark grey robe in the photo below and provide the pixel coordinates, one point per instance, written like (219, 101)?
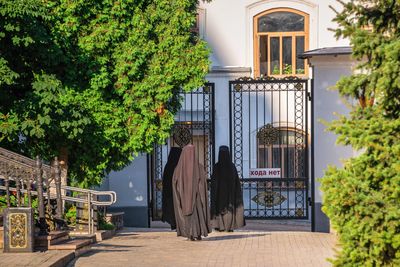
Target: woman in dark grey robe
(227, 212)
(168, 214)
(190, 196)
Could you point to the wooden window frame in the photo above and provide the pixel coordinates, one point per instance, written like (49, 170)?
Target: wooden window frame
(256, 46)
(282, 154)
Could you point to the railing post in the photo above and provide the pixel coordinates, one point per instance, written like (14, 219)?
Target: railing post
(7, 184)
(39, 183)
(18, 188)
(90, 213)
(57, 180)
(46, 182)
(29, 185)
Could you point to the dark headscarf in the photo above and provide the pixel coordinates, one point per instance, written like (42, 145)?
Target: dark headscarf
(226, 192)
(168, 214)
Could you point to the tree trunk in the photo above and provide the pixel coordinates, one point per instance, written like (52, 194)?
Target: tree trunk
(63, 158)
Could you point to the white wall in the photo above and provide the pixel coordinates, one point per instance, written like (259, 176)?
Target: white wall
(327, 71)
(228, 27)
(221, 81)
(130, 184)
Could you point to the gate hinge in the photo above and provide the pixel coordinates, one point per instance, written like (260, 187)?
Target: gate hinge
(309, 96)
(309, 201)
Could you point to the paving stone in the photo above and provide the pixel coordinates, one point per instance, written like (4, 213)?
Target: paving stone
(36, 259)
(160, 247)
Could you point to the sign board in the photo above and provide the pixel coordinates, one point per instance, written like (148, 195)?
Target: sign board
(265, 173)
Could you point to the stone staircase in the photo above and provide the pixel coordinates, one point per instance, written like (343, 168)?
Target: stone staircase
(61, 240)
(75, 242)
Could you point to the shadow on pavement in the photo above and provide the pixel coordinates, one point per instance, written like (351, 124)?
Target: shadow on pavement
(228, 237)
(100, 245)
(126, 234)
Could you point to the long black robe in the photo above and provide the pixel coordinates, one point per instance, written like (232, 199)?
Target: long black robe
(189, 186)
(227, 211)
(168, 214)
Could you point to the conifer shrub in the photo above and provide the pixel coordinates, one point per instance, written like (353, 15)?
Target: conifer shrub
(362, 199)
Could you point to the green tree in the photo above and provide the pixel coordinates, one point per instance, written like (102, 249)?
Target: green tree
(362, 199)
(94, 82)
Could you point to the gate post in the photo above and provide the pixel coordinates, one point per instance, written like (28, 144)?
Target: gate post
(312, 157)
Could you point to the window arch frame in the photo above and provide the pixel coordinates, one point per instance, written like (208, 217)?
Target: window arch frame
(283, 158)
(256, 45)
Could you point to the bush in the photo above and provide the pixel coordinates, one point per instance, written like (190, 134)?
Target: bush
(106, 226)
(363, 198)
(70, 216)
(103, 224)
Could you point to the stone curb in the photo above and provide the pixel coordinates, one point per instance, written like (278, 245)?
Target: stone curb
(63, 261)
(104, 234)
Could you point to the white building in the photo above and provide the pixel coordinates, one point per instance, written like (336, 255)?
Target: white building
(272, 125)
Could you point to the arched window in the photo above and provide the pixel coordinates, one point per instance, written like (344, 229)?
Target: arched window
(280, 35)
(284, 149)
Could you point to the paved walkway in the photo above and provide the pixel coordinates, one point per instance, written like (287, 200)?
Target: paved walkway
(36, 259)
(160, 247)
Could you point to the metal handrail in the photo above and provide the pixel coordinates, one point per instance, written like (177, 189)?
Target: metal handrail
(112, 194)
(47, 180)
(73, 199)
(88, 200)
(20, 159)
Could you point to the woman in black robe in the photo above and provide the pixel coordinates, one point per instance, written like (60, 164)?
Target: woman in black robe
(227, 211)
(189, 186)
(168, 214)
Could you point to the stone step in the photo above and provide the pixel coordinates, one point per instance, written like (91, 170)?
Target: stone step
(79, 235)
(53, 238)
(100, 235)
(104, 234)
(72, 244)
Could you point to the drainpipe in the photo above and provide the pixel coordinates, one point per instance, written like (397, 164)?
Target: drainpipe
(312, 152)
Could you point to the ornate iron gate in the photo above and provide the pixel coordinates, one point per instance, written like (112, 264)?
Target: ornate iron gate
(269, 144)
(194, 123)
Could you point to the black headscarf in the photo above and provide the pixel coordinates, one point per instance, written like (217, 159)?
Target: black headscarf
(168, 214)
(226, 192)
(227, 211)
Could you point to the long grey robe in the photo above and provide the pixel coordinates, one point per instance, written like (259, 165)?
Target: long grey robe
(189, 186)
(227, 211)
